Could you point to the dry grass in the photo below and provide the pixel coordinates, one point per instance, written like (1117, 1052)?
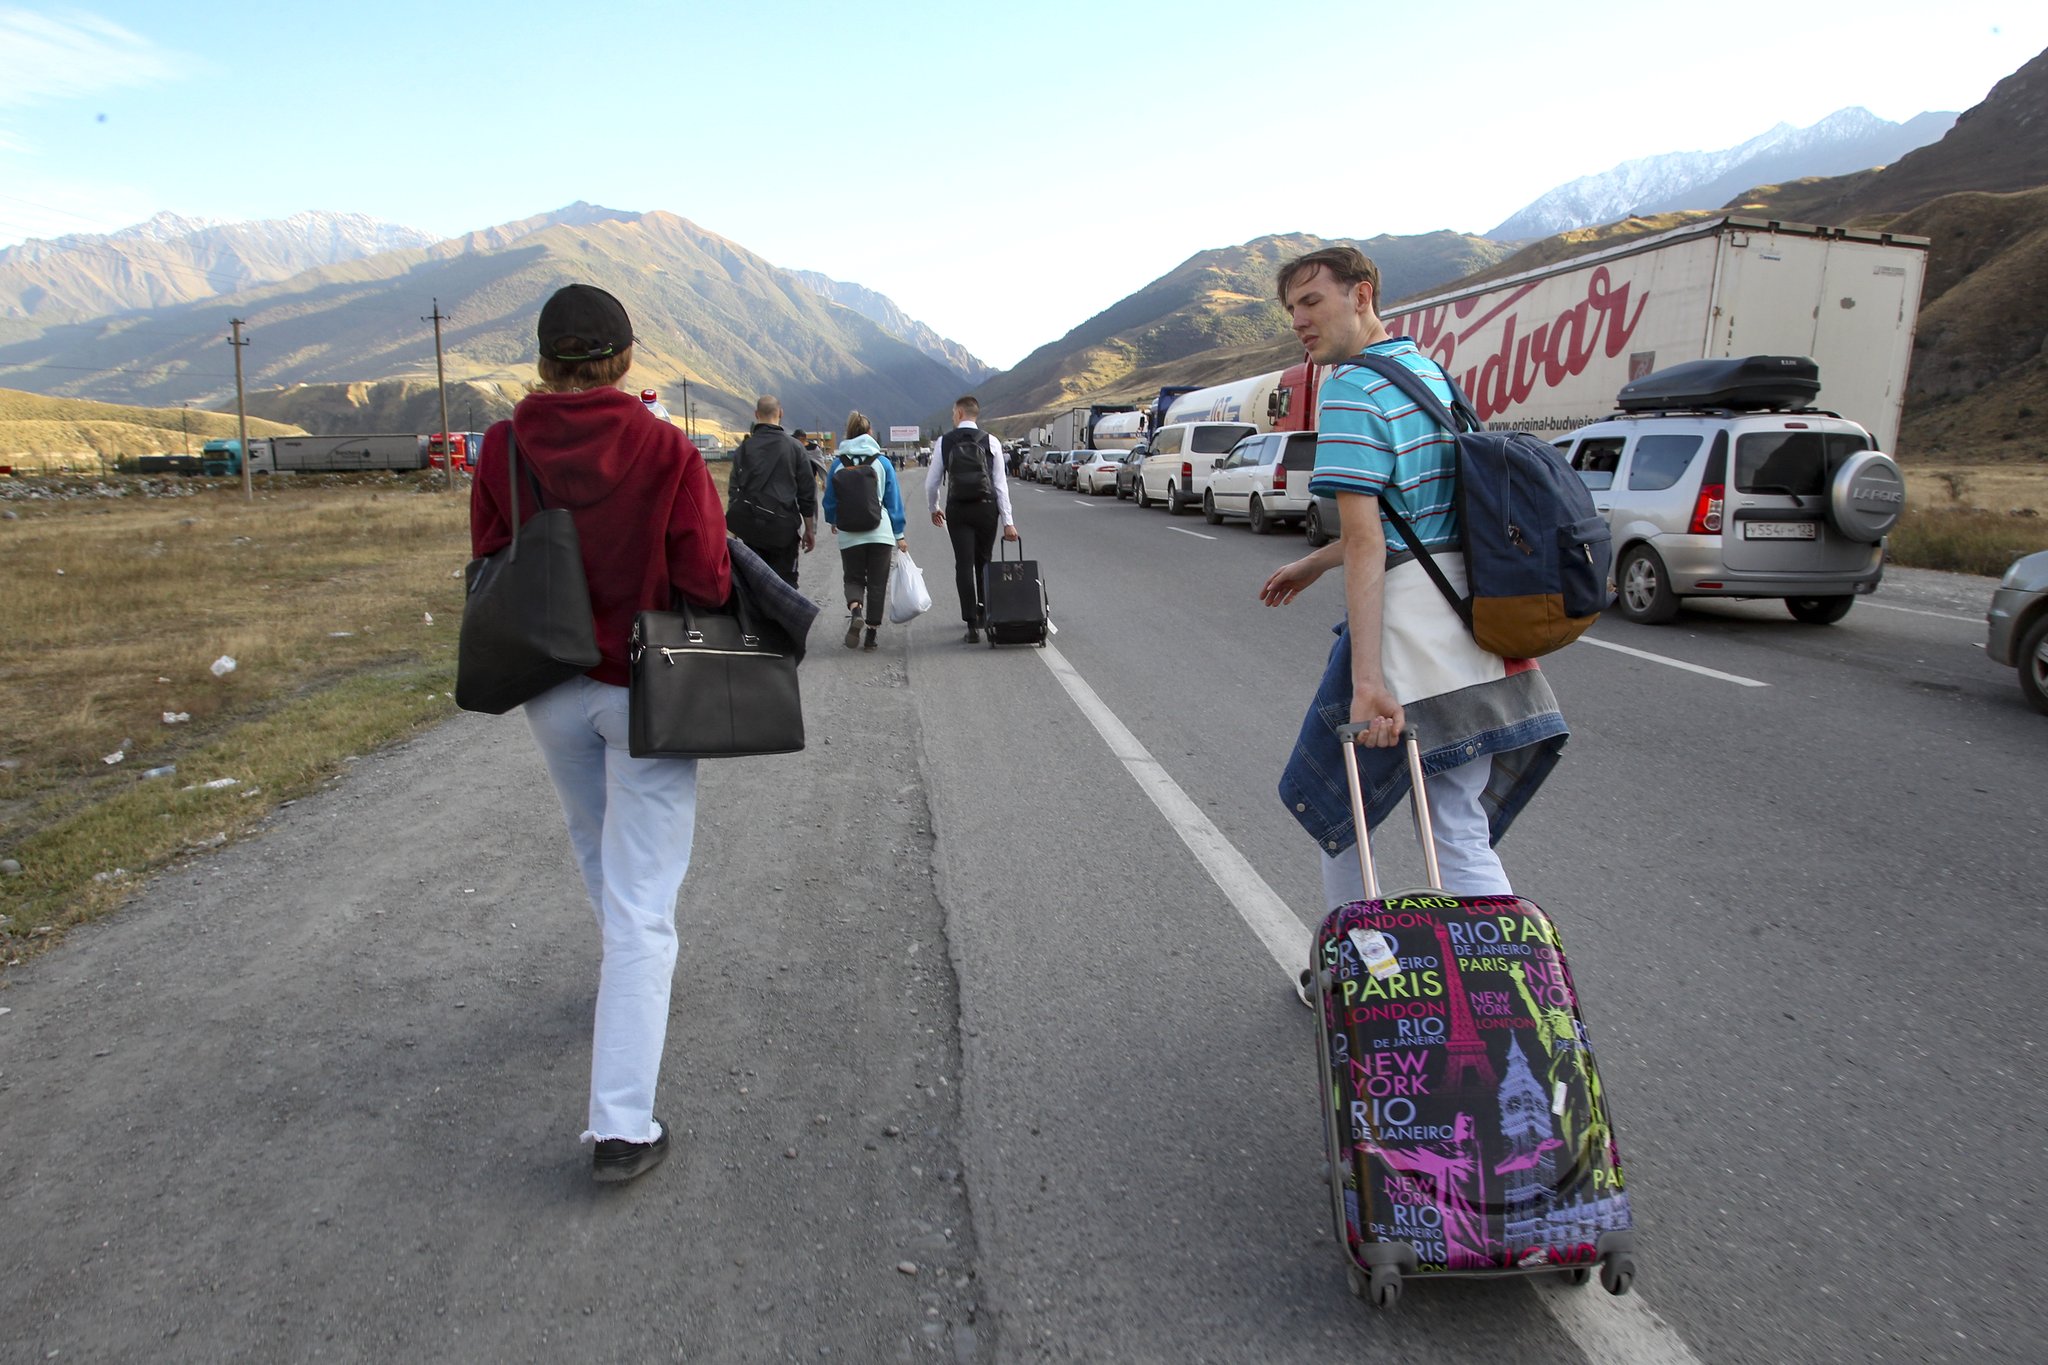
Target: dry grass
(117, 606)
(1972, 518)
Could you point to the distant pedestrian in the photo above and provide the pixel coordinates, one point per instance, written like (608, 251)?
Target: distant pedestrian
(647, 515)
(772, 492)
(1490, 726)
(864, 507)
(969, 467)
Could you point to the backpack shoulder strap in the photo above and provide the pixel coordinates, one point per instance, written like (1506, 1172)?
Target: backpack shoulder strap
(1457, 415)
(1411, 384)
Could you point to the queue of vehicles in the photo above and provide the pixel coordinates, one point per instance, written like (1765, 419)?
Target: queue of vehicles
(1806, 495)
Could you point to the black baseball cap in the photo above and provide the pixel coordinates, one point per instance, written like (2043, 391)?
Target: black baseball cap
(583, 322)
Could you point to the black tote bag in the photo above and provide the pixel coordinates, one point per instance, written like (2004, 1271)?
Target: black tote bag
(713, 684)
(526, 622)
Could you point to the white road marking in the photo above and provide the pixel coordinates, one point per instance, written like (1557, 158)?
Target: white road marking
(1285, 936)
(1921, 611)
(1608, 1330)
(1085, 502)
(1700, 669)
(1196, 534)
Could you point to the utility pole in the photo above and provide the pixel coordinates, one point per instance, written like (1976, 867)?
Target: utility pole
(237, 341)
(688, 430)
(441, 379)
(185, 416)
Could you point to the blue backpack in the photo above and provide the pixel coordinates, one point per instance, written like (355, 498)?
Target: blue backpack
(1539, 559)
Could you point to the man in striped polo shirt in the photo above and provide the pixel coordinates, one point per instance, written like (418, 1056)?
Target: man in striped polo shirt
(1490, 727)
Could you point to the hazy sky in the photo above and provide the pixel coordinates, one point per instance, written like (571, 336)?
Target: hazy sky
(1001, 171)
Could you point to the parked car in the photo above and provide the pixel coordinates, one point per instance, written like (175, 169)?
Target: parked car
(1720, 501)
(1095, 471)
(1183, 456)
(1049, 468)
(1027, 470)
(1069, 467)
(1263, 479)
(1127, 473)
(2019, 626)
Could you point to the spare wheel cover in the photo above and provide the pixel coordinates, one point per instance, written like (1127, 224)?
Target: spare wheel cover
(1866, 497)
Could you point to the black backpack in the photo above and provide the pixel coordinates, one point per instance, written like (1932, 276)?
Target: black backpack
(857, 490)
(964, 451)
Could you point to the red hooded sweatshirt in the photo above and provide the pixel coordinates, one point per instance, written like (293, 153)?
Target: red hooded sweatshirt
(647, 514)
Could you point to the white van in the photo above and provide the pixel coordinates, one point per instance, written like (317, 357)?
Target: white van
(1182, 457)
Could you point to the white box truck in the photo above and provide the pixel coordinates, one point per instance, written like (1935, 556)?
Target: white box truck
(1548, 349)
(347, 454)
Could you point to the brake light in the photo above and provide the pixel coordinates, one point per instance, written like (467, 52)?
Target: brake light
(1280, 478)
(1706, 511)
(1187, 470)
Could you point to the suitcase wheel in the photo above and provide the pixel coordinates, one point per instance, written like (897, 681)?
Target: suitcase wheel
(1381, 1289)
(1579, 1276)
(1617, 1273)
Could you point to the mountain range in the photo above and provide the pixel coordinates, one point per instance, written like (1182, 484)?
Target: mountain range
(172, 259)
(1846, 140)
(707, 313)
(882, 310)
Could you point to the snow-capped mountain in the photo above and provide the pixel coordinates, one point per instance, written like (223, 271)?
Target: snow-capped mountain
(175, 259)
(1846, 140)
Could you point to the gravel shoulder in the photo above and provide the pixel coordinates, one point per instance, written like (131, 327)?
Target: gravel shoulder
(317, 1095)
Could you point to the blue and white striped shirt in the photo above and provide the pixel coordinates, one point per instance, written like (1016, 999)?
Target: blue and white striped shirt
(1369, 435)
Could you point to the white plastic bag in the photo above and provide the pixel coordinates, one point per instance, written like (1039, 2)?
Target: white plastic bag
(908, 597)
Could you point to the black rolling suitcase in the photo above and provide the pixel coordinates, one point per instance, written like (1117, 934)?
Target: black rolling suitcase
(1466, 1127)
(1013, 602)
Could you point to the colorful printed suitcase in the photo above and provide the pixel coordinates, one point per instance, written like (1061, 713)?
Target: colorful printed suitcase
(1467, 1131)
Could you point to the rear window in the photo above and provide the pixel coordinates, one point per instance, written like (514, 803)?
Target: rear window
(1796, 463)
(1301, 452)
(1661, 461)
(1218, 440)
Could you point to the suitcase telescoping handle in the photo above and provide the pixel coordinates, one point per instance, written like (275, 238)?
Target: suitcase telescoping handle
(1001, 541)
(1425, 833)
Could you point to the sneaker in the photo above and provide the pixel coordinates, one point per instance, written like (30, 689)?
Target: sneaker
(868, 642)
(853, 631)
(973, 636)
(617, 1160)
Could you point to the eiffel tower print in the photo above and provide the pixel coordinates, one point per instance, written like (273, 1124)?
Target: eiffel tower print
(1466, 1050)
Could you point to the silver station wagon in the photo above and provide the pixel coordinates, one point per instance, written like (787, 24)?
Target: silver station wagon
(1719, 481)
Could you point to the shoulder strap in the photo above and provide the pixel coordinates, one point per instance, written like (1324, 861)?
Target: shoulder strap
(1457, 416)
(1458, 411)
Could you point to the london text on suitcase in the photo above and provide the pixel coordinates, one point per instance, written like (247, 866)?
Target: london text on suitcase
(1466, 1126)
(1013, 601)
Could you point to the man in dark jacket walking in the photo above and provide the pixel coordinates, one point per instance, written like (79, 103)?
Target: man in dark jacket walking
(771, 500)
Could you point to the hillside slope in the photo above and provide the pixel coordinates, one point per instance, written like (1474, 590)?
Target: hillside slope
(34, 426)
(1220, 299)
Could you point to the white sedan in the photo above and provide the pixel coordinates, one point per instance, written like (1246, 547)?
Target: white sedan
(1095, 471)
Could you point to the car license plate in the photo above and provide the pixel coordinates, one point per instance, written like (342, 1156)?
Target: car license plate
(1779, 530)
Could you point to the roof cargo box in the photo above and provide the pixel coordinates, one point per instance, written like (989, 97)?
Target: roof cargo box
(1757, 381)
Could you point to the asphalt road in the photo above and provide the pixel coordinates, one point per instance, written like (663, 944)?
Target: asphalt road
(315, 1096)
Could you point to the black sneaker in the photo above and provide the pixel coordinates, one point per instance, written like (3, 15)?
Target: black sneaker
(617, 1160)
(853, 631)
(868, 642)
(973, 636)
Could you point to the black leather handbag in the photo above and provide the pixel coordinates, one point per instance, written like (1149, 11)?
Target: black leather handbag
(526, 622)
(711, 684)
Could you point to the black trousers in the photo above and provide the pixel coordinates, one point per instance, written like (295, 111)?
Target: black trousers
(867, 576)
(782, 559)
(972, 526)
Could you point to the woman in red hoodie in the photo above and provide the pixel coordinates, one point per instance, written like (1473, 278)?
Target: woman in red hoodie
(650, 523)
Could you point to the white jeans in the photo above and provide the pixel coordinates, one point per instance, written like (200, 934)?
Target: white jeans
(630, 825)
(1464, 854)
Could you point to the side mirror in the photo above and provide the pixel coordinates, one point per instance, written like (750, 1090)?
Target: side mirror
(1217, 463)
